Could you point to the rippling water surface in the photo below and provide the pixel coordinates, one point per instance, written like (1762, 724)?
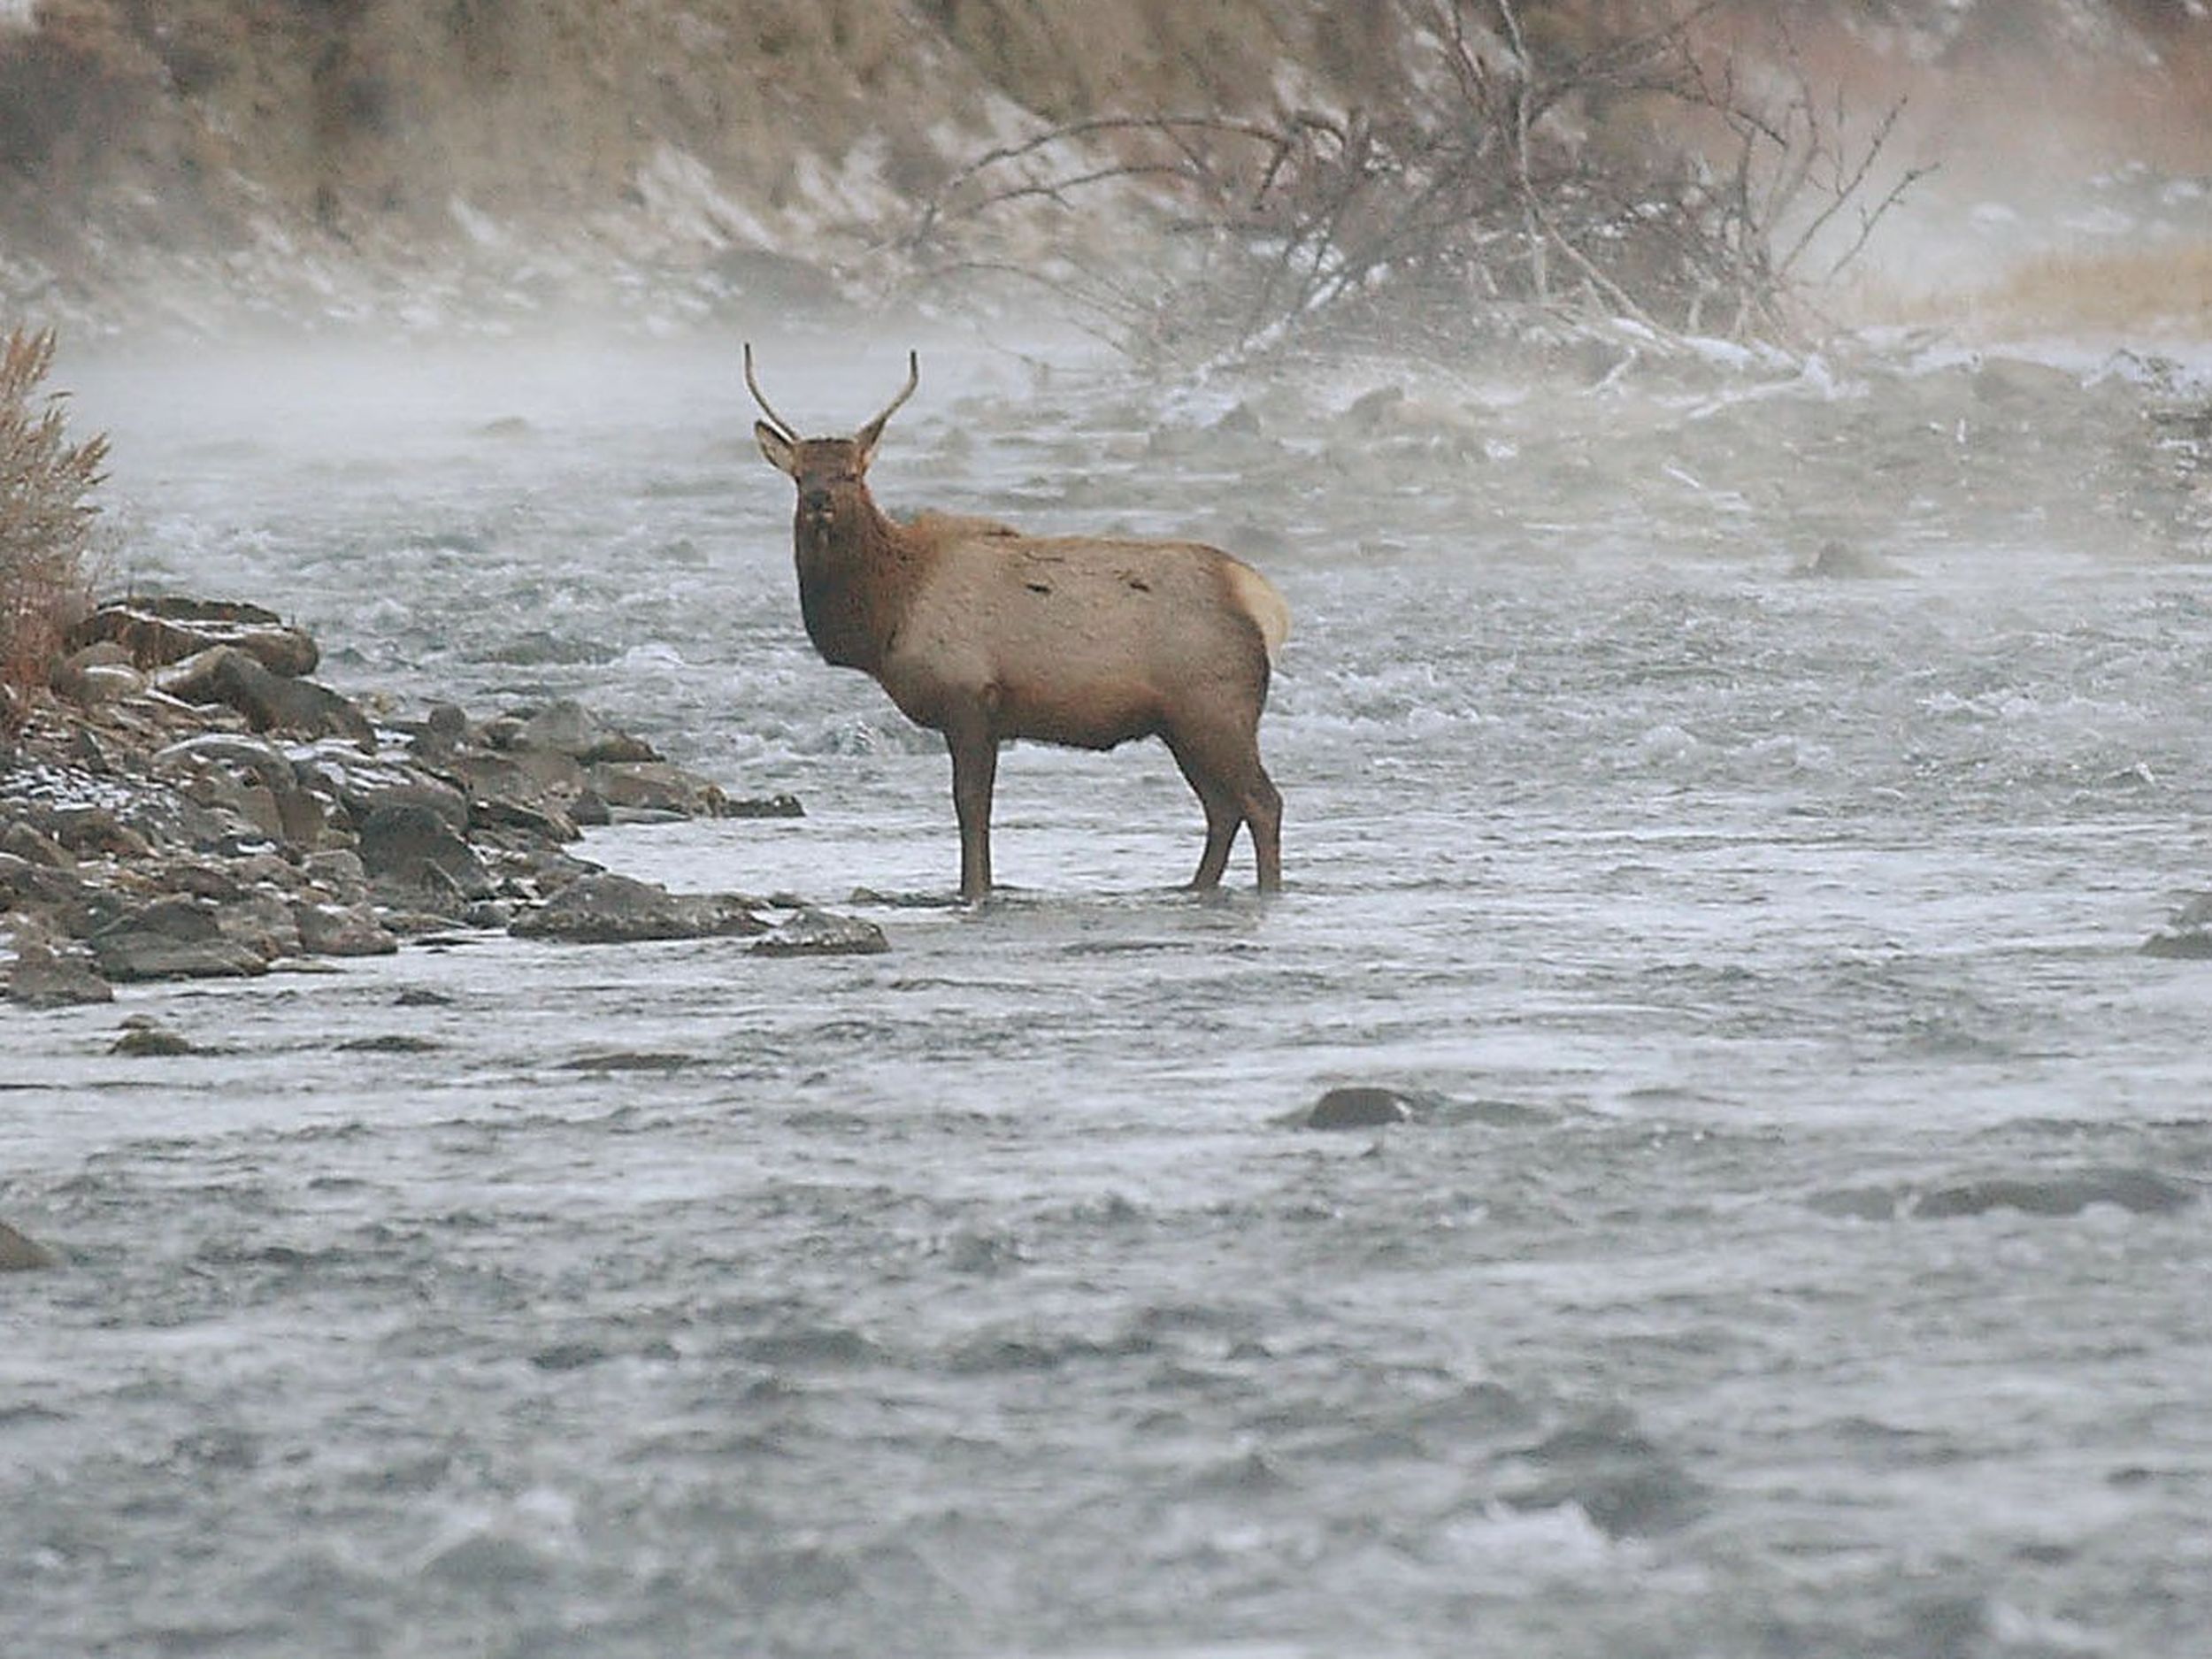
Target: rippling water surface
(1798, 1245)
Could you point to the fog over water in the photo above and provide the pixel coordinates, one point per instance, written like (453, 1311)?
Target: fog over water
(1797, 1245)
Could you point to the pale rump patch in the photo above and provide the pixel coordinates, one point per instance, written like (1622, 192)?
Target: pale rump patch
(1261, 604)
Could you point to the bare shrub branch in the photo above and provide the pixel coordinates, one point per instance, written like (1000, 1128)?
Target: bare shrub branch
(1635, 175)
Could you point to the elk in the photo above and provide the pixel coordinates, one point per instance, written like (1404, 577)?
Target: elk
(983, 634)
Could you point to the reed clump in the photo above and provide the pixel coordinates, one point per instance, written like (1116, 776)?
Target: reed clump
(47, 521)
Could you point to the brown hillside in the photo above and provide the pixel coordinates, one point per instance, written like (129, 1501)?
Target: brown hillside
(283, 152)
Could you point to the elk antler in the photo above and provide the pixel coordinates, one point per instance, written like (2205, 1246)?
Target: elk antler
(789, 431)
(867, 435)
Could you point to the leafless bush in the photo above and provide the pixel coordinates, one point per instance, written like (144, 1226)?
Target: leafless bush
(1639, 172)
(46, 521)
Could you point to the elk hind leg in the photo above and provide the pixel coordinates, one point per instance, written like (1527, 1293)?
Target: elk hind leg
(1223, 821)
(1263, 805)
(1224, 772)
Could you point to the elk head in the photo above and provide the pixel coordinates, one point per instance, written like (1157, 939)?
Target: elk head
(828, 471)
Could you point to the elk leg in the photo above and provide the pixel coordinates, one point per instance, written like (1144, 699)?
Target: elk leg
(1222, 824)
(1264, 812)
(974, 774)
(1230, 763)
(1224, 819)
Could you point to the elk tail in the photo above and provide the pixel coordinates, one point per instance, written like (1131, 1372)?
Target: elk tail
(1263, 604)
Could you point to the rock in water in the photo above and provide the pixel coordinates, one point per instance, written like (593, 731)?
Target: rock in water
(41, 980)
(1840, 561)
(603, 908)
(171, 939)
(151, 1042)
(19, 1254)
(1360, 1106)
(653, 786)
(813, 933)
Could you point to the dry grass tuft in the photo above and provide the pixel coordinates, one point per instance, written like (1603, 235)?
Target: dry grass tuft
(46, 520)
(2159, 294)
(2165, 291)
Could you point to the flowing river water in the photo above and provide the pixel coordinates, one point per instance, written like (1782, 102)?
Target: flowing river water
(1798, 1244)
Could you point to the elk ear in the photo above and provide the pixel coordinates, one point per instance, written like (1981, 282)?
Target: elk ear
(782, 454)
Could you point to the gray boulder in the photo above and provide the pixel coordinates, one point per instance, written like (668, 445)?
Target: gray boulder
(603, 908)
(813, 933)
(1358, 1106)
(567, 728)
(35, 886)
(505, 793)
(154, 632)
(269, 702)
(411, 845)
(341, 930)
(26, 841)
(100, 673)
(43, 979)
(262, 921)
(654, 788)
(171, 939)
(19, 1254)
(250, 777)
(362, 783)
(339, 873)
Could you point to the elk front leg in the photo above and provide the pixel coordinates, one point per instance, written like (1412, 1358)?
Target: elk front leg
(974, 774)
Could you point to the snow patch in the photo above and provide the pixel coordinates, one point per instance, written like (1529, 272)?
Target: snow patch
(682, 196)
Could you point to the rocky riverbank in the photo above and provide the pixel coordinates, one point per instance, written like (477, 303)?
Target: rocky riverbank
(192, 803)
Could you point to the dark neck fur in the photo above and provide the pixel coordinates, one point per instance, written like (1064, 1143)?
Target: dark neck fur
(853, 579)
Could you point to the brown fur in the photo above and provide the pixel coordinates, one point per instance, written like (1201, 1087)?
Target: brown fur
(984, 634)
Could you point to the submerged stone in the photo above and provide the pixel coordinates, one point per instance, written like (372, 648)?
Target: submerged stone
(1358, 1106)
(2057, 1193)
(1605, 1465)
(2139, 1192)
(1842, 561)
(603, 908)
(21, 1253)
(763, 806)
(148, 1041)
(813, 933)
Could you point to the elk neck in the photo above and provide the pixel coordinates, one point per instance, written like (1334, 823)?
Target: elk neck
(856, 575)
